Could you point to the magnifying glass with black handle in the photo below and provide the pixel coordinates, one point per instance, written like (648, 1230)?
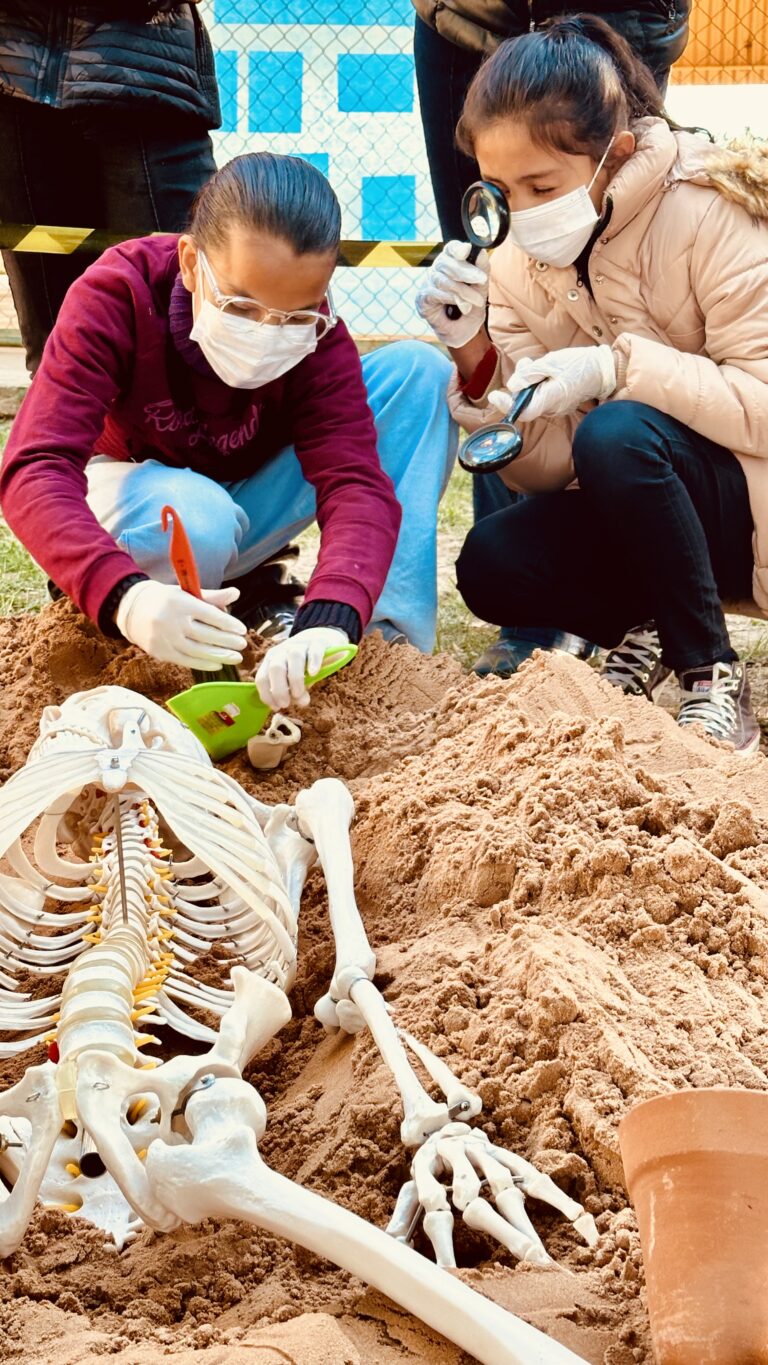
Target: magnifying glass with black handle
(485, 216)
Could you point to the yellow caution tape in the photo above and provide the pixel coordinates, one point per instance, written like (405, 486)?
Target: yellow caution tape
(64, 241)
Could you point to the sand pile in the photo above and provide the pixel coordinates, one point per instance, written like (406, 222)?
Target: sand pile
(567, 897)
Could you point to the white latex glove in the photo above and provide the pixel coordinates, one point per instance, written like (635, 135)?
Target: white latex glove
(571, 376)
(453, 279)
(174, 626)
(280, 675)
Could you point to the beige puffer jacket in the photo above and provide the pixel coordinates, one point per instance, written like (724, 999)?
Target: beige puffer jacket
(680, 282)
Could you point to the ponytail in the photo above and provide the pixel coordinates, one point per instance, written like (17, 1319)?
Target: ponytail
(574, 84)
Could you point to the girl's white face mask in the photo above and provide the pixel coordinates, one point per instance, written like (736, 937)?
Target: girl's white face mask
(246, 354)
(558, 231)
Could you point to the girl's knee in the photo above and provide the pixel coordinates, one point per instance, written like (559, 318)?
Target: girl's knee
(604, 443)
(474, 571)
(214, 524)
(415, 367)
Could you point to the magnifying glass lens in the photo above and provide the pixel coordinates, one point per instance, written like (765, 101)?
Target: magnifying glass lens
(485, 214)
(481, 228)
(490, 449)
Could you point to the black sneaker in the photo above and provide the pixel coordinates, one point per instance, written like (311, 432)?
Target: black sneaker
(270, 596)
(504, 655)
(717, 696)
(635, 665)
(55, 593)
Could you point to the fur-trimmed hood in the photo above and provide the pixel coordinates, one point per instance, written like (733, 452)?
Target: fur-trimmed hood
(665, 158)
(738, 170)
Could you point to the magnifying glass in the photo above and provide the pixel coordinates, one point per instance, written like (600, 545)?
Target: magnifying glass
(495, 446)
(485, 216)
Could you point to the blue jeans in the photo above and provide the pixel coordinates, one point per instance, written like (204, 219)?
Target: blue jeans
(235, 526)
(660, 529)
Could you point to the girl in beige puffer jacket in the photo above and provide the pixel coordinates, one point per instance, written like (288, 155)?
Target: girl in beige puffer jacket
(634, 285)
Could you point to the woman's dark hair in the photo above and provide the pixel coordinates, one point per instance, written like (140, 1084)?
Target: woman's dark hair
(281, 195)
(573, 84)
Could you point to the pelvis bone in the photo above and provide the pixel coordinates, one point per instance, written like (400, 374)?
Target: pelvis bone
(120, 817)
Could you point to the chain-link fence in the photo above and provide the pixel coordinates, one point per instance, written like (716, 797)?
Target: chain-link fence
(333, 81)
(727, 45)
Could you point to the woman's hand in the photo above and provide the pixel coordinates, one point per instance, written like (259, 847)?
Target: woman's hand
(453, 279)
(566, 380)
(280, 675)
(174, 626)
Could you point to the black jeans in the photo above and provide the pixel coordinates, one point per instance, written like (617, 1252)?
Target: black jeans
(659, 529)
(103, 168)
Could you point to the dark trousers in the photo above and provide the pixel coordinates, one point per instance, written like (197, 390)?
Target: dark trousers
(659, 529)
(118, 170)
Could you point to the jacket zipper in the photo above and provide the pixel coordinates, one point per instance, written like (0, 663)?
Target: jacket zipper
(48, 80)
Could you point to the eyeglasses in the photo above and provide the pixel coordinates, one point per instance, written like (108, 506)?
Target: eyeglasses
(236, 306)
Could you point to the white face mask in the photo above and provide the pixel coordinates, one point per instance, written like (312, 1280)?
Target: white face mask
(243, 353)
(558, 231)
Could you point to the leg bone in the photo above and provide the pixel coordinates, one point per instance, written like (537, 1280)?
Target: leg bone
(222, 1175)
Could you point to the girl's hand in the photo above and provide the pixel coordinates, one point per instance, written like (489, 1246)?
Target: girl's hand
(280, 675)
(453, 279)
(174, 626)
(570, 378)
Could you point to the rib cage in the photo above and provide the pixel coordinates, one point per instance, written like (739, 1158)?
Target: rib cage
(110, 750)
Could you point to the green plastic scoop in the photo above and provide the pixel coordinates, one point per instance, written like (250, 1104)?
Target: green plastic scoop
(225, 715)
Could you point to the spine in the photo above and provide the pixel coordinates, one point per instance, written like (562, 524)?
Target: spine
(110, 993)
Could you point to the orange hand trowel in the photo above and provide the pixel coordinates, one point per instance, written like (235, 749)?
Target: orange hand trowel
(220, 710)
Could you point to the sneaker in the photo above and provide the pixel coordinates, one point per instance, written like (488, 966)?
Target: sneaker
(269, 596)
(635, 665)
(389, 632)
(565, 643)
(503, 657)
(717, 696)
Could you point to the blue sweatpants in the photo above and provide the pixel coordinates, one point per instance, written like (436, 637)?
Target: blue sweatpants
(235, 526)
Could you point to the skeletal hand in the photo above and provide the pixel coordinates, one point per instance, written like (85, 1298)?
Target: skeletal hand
(473, 1166)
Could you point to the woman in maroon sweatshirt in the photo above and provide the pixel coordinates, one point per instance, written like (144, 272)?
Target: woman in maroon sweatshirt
(210, 371)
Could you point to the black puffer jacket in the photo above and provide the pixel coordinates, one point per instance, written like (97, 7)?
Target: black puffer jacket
(125, 54)
(480, 25)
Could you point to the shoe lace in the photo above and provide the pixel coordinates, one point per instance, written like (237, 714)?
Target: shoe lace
(633, 661)
(717, 709)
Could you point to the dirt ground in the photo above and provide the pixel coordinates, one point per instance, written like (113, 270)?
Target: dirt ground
(566, 895)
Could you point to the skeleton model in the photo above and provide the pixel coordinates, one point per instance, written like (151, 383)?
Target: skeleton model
(165, 856)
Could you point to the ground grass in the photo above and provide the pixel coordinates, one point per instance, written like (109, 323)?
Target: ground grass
(23, 585)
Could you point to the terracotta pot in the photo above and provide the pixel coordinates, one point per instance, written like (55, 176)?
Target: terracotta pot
(696, 1167)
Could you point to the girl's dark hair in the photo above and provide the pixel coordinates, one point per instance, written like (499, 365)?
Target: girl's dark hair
(281, 195)
(573, 83)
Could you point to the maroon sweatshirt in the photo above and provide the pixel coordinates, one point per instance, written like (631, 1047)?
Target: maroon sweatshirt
(121, 377)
